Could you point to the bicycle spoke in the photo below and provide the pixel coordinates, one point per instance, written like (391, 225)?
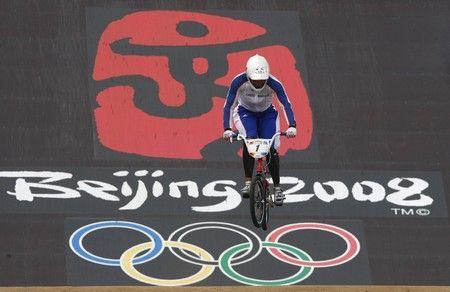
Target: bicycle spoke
(257, 201)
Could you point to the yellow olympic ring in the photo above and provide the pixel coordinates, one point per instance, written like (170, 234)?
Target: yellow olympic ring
(126, 263)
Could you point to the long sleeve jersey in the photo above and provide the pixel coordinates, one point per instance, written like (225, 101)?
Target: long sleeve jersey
(255, 101)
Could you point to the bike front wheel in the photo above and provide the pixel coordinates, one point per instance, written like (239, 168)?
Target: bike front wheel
(258, 202)
(265, 222)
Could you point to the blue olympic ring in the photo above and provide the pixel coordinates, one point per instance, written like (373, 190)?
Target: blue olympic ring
(76, 242)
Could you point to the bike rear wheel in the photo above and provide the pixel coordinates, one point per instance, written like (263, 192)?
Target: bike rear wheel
(258, 202)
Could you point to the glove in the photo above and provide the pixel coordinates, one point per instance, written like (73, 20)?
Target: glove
(227, 134)
(291, 132)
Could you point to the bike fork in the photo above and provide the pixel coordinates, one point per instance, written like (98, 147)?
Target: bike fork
(261, 169)
(259, 166)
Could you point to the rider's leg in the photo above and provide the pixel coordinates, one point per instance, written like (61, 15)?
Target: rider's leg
(246, 123)
(268, 125)
(248, 162)
(274, 166)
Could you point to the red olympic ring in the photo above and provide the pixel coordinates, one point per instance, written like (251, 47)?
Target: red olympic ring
(352, 245)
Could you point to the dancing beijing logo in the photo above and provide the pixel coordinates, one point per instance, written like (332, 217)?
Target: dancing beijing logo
(159, 78)
(227, 262)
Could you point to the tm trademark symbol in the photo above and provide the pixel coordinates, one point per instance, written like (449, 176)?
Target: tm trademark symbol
(410, 211)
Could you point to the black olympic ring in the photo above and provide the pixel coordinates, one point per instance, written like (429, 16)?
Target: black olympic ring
(254, 240)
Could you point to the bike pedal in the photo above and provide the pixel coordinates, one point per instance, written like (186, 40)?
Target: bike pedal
(279, 204)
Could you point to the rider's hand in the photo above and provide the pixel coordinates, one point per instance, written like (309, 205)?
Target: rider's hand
(227, 134)
(291, 132)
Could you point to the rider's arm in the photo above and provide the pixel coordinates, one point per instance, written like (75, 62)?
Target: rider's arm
(277, 86)
(231, 96)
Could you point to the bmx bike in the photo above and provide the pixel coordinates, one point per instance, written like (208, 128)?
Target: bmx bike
(261, 198)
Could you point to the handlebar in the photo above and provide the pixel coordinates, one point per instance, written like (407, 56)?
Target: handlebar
(239, 137)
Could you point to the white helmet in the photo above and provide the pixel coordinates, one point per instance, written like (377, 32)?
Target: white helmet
(257, 68)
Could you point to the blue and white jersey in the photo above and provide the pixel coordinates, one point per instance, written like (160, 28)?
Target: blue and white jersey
(255, 101)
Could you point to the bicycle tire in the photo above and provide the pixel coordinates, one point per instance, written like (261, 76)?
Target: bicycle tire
(265, 222)
(257, 200)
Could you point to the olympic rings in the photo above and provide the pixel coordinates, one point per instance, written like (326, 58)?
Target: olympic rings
(251, 253)
(226, 268)
(76, 242)
(351, 251)
(126, 263)
(235, 255)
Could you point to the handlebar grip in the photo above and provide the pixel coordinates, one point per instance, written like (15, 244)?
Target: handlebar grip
(234, 138)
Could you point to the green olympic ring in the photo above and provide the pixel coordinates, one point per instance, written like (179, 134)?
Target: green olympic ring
(226, 267)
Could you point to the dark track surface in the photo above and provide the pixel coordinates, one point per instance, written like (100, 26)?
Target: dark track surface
(379, 82)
